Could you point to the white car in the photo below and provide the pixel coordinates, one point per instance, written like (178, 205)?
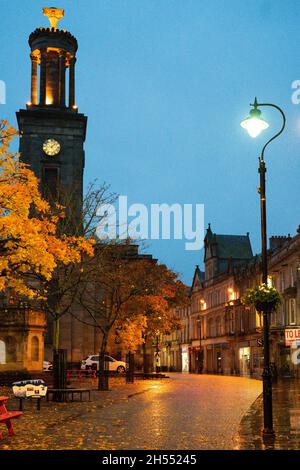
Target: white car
(92, 362)
(47, 365)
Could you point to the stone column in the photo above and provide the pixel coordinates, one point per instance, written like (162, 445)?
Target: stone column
(72, 83)
(43, 77)
(34, 98)
(62, 78)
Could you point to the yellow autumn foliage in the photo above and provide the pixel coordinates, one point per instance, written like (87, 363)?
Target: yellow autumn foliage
(29, 245)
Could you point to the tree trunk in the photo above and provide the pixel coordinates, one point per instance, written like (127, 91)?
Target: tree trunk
(59, 362)
(103, 371)
(59, 373)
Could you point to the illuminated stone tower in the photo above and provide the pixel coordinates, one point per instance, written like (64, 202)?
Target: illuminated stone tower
(52, 130)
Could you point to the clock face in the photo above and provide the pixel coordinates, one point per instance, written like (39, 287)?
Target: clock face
(51, 147)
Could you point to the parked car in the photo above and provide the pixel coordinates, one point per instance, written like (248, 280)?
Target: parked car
(47, 366)
(92, 362)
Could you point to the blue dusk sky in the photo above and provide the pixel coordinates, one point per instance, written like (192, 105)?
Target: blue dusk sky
(165, 84)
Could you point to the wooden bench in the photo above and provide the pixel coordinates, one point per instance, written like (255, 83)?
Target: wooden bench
(66, 392)
(7, 416)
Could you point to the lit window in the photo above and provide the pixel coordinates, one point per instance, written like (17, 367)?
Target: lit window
(231, 293)
(259, 319)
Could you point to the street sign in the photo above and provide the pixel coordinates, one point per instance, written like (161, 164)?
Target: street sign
(292, 336)
(30, 388)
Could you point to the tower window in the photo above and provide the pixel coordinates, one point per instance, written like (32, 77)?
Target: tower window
(50, 182)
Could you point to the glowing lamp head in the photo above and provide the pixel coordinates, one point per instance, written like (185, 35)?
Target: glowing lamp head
(254, 123)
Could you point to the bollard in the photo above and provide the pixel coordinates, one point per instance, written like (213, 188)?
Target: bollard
(130, 368)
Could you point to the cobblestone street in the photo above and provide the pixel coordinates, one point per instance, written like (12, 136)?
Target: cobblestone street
(182, 412)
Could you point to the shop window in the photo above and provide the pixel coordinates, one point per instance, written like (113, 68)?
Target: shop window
(35, 348)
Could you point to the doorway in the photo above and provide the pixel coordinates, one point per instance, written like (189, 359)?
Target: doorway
(244, 355)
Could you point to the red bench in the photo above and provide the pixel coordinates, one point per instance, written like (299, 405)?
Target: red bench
(7, 416)
(79, 373)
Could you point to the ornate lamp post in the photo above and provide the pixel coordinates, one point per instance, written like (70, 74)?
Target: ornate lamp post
(254, 124)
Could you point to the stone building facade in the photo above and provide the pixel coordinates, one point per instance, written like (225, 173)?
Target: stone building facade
(174, 348)
(225, 336)
(22, 332)
(52, 136)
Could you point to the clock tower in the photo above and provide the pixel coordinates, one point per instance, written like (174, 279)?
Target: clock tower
(52, 131)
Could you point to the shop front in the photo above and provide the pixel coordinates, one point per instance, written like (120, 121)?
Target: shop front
(196, 358)
(217, 357)
(185, 358)
(244, 361)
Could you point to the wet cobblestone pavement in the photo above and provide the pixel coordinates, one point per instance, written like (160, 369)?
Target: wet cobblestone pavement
(286, 417)
(181, 412)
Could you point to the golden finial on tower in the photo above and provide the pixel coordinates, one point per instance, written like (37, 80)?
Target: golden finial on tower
(54, 15)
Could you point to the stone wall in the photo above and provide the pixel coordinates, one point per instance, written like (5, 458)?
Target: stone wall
(21, 339)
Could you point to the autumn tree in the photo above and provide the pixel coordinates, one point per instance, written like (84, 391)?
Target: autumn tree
(64, 287)
(125, 288)
(30, 248)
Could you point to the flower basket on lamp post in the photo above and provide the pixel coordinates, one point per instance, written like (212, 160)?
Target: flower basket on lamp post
(265, 306)
(264, 298)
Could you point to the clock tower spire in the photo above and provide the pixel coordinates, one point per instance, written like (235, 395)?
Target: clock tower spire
(51, 128)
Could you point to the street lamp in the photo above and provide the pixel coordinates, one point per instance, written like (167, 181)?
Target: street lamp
(255, 124)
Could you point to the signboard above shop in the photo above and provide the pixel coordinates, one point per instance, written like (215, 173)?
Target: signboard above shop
(292, 336)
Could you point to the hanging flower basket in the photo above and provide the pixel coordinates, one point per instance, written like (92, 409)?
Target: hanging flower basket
(264, 298)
